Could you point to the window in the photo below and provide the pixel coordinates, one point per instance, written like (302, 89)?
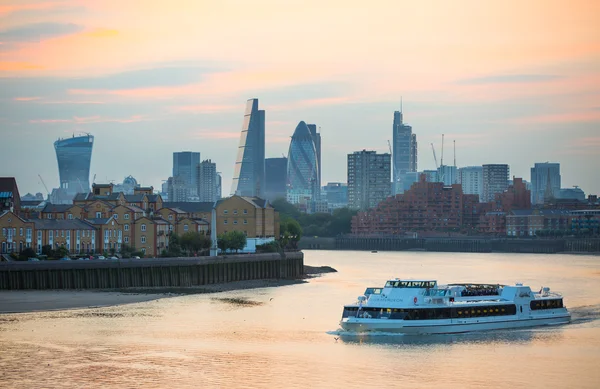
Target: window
(70, 216)
(51, 234)
(245, 211)
(225, 211)
(29, 233)
(225, 221)
(116, 216)
(185, 227)
(245, 221)
(98, 215)
(170, 217)
(62, 233)
(126, 239)
(235, 221)
(143, 239)
(144, 251)
(126, 216)
(143, 227)
(4, 232)
(126, 227)
(235, 211)
(49, 216)
(21, 231)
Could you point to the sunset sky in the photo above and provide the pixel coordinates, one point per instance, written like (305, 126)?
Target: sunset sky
(513, 82)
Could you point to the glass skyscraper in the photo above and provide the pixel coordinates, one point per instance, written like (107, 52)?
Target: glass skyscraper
(276, 178)
(184, 167)
(404, 154)
(540, 173)
(302, 167)
(74, 156)
(249, 171)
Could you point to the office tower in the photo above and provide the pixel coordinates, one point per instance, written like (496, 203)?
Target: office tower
(249, 171)
(302, 167)
(430, 175)
(368, 179)
(495, 180)
(207, 181)
(74, 156)
(471, 180)
(336, 194)
(404, 152)
(317, 139)
(184, 167)
(275, 178)
(178, 190)
(219, 186)
(447, 174)
(539, 181)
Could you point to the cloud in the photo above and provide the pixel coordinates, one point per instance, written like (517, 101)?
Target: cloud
(509, 79)
(91, 120)
(18, 66)
(26, 98)
(207, 108)
(563, 117)
(35, 8)
(38, 31)
(215, 134)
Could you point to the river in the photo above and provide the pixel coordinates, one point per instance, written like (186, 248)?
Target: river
(285, 337)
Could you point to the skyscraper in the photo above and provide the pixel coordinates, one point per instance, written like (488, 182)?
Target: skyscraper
(495, 180)
(317, 139)
(74, 156)
(184, 167)
(275, 178)
(539, 181)
(302, 167)
(368, 179)
(207, 181)
(404, 152)
(249, 171)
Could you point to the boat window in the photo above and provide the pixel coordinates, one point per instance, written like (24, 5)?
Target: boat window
(536, 305)
(410, 284)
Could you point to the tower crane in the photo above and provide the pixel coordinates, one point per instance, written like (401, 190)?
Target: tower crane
(43, 183)
(434, 157)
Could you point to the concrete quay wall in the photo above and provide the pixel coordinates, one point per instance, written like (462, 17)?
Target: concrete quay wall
(167, 272)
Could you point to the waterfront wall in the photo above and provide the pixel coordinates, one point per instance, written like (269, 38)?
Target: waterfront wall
(475, 245)
(169, 272)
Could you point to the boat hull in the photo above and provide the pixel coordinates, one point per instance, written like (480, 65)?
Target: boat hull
(453, 326)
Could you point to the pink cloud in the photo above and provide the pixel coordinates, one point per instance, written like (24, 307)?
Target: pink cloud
(90, 120)
(565, 117)
(7, 9)
(26, 98)
(207, 108)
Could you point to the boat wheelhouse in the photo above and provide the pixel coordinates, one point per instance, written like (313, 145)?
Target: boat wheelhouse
(424, 307)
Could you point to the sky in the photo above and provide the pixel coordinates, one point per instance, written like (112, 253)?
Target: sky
(510, 81)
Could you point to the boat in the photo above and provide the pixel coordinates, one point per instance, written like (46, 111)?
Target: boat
(424, 307)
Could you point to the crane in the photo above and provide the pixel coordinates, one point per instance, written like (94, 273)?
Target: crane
(94, 179)
(43, 183)
(434, 157)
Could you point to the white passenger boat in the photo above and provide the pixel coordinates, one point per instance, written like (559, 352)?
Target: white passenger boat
(423, 307)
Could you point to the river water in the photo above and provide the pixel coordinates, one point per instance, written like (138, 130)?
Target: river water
(285, 337)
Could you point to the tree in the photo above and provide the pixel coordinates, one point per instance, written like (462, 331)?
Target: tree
(61, 252)
(27, 253)
(237, 240)
(47, 250)
(223, 242)
(194, 241)
(174, 245)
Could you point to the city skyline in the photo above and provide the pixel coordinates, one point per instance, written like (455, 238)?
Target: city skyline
(503, 98)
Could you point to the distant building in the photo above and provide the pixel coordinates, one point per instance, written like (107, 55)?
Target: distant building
(184, 167)
(74, 156)
(128, 186)
(317, 140)
(219, 186)
(447, 174)
(539, 181)
(425, 207)
(430, 175)
(571, 193)
(404, 152)
(368, 179)
(471, 179)
(275, 178)
(207, 181)
(495, 180)
(302, 167)
(30, 197)
(10, 200)
(178, 190)
(336, 194)
(249, 171)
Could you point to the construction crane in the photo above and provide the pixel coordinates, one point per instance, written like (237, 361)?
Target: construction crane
(43, 183)
(434, 157)
(94, 179)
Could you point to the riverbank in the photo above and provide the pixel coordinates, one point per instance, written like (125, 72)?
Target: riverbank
(22, 301)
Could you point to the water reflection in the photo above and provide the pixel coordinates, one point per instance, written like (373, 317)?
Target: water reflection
(486, 337)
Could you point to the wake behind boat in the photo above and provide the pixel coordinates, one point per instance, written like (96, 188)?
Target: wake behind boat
(423, 307)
